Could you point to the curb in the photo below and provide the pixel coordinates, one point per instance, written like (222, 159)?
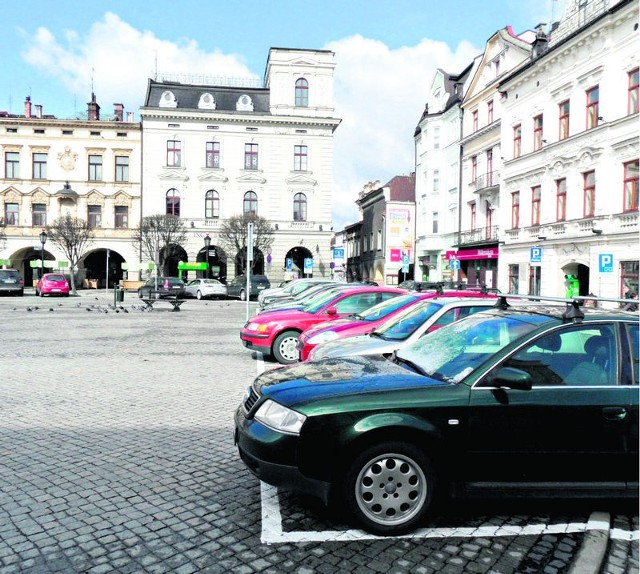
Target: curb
(594, 546)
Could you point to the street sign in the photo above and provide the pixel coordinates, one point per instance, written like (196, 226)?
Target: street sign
(405, 259)
(308, 264)
(405, 269)
(536, 255)
(606, 262)
(338, 252)
(454, 264)
(289, 263)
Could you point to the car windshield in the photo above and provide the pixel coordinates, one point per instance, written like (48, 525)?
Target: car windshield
(381, 310)
(452, 353)
(308, 296)
(321, 300)
(299, 288)
(404, 324)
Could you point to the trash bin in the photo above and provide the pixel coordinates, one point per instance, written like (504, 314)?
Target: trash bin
(118, 295)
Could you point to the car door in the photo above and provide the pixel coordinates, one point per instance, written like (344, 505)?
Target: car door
(565, 429)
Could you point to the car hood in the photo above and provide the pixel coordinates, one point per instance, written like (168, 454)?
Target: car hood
(357, 345)
(334, 378)
(281, 314)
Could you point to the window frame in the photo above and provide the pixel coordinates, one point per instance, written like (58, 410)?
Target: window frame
(300, 157)
(212, 155)
(174, 153)
(561, 199)
(538, 132)
(515, 209)
(592, 107)
(250, 199)
(39, 166)
(301, 94)
(121, 220)
(536, 198)
(489, 112)
(588, 194)
(172, 202)
(630, 187)
(38, 214)
(14, 172)
(95, 167)
(564, 114)
(514, 277)
(632, 91)
(11, 216)
(517, 140)
(251, 156)
(212, 204)
(300, 207)
(94, 216)
(474, 121)
(121, 168)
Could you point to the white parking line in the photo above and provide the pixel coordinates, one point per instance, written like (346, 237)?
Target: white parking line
(272, 532)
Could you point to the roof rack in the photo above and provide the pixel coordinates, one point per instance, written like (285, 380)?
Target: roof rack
(573, 312)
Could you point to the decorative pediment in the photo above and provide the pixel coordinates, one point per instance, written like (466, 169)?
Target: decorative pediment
(121, 198)
(174, 174)
(588, 155)
(301, 179)
(560, 166)
(11, 195)
(38, 195)
(251, 178)
(95, 198)
(213, 175)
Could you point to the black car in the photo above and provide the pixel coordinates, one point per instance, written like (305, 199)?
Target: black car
(162, 287)
(11, 282)
(522, 400)
(238, 287)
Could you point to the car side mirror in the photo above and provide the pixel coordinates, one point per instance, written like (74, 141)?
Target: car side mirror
(513, 379)
(332, 311)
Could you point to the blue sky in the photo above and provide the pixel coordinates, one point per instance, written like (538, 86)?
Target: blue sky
(386, 54)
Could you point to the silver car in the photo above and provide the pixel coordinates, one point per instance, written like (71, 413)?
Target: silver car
(206, 289)
(404, 328)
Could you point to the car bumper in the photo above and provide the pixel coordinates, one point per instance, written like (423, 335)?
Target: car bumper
(272, 457)
(259, 343)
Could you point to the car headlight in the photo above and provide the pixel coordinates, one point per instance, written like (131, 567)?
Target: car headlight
(280, 418)
(323, 337)
(258, 327)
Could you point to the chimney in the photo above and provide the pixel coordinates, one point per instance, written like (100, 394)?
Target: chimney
(93, 109)
(38, 110)
(130, 117)
(27, 107)
(118, 111)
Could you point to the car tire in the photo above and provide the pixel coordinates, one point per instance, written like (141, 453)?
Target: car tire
(243, 295)
(41, 294)
(285, 349)
(389, 487)
(199, 294)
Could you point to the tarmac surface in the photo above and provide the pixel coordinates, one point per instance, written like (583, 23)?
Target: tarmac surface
(117, 455)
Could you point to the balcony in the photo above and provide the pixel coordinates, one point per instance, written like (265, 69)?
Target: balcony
(486, 182)
(479, 235)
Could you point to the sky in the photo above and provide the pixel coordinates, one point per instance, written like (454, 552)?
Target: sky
(386, 54)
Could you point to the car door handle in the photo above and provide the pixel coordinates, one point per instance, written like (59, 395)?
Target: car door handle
(614, 413)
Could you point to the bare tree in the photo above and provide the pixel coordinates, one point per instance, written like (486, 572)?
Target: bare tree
(3, 224)
(233, 235)
(72, 235)
(157, 236)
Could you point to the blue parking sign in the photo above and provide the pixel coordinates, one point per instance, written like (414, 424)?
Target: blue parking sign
(289, 263)
(606, 262)
(536, 255)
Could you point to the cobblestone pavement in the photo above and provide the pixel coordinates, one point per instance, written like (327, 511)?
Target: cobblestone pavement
(117, 455)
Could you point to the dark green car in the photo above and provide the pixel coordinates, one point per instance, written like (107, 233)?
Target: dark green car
(525, 400)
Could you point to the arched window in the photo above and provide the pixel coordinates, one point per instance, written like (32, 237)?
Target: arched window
(299, 207)
(173, 202)
(250, 205)
(302, 93)
(212, 204)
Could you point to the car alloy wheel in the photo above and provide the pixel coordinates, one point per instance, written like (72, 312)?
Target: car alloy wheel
(199, 294)
(285, 348)
(389, 487)
(243, 296)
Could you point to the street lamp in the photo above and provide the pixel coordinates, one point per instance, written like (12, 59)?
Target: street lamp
(207, 244)
(43, 240)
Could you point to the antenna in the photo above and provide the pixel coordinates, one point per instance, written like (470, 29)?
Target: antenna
(155, 76)
(92, 72)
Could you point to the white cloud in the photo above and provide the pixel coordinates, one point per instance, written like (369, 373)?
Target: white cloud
(380, 94)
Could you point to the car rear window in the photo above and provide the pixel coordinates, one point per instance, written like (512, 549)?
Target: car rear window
(260, 279)
(56, 278)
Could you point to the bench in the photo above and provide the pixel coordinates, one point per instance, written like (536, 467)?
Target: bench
(174, 301)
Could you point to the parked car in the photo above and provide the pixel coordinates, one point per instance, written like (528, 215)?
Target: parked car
(11, 282)
(402, 329)
(275, 333)
(291, 290)
(363, 323)
(161, 288)
(528, 400)
(238, 287)
(52, 284)
(205, 289)
(307, 296)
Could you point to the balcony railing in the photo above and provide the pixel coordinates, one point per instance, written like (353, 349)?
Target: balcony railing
(486, 181)
(479, 235)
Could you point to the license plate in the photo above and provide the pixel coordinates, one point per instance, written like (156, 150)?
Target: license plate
(56, 290)
(260, 286)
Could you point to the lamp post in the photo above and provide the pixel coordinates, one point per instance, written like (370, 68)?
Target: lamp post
(207, 244)
(43, 240)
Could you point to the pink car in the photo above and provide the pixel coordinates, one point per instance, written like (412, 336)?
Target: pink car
(367, 322)
(52, 284)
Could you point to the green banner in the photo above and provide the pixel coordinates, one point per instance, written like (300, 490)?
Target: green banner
(182, 266)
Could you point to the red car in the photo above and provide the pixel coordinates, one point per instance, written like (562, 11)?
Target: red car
(52, 284)
(367, 322)
(275, 333)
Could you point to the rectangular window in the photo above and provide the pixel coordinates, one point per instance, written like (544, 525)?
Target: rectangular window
(589, 191)
(121, 217)
(12, 165)
(472, 215)
(11, 213)
(39, 166)
(474, 120)
(436, 180)
(561, 199)
(563, 111)
(94, 216)
(632, 102)
(213, 154)
(250, 156)
(631, 185)
(490, 112)
(474, 168)
(436, 138)
(122, 168)
(300, 158)
(537, 132)
(517, 140)
(593, 101)
(434, 220)
(514, 278)
(628, 278)
(38, 215)
(174, 153)
(535, 205)
(95, 168)
(515, 210)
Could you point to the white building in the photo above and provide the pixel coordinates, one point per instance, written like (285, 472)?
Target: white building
(569, 132)
(213, 152)
(89, 168)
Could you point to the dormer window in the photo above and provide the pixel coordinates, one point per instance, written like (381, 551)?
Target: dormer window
(207, 102)
(302, 93)
(168, 100)
(244, 104)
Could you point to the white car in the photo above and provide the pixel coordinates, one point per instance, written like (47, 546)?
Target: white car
(206, 289)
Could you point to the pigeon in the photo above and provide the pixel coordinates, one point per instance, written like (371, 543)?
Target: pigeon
(29, 309)
(89, 309)
(50, 308)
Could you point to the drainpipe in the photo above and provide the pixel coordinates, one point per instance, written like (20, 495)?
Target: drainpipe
(460, 185)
